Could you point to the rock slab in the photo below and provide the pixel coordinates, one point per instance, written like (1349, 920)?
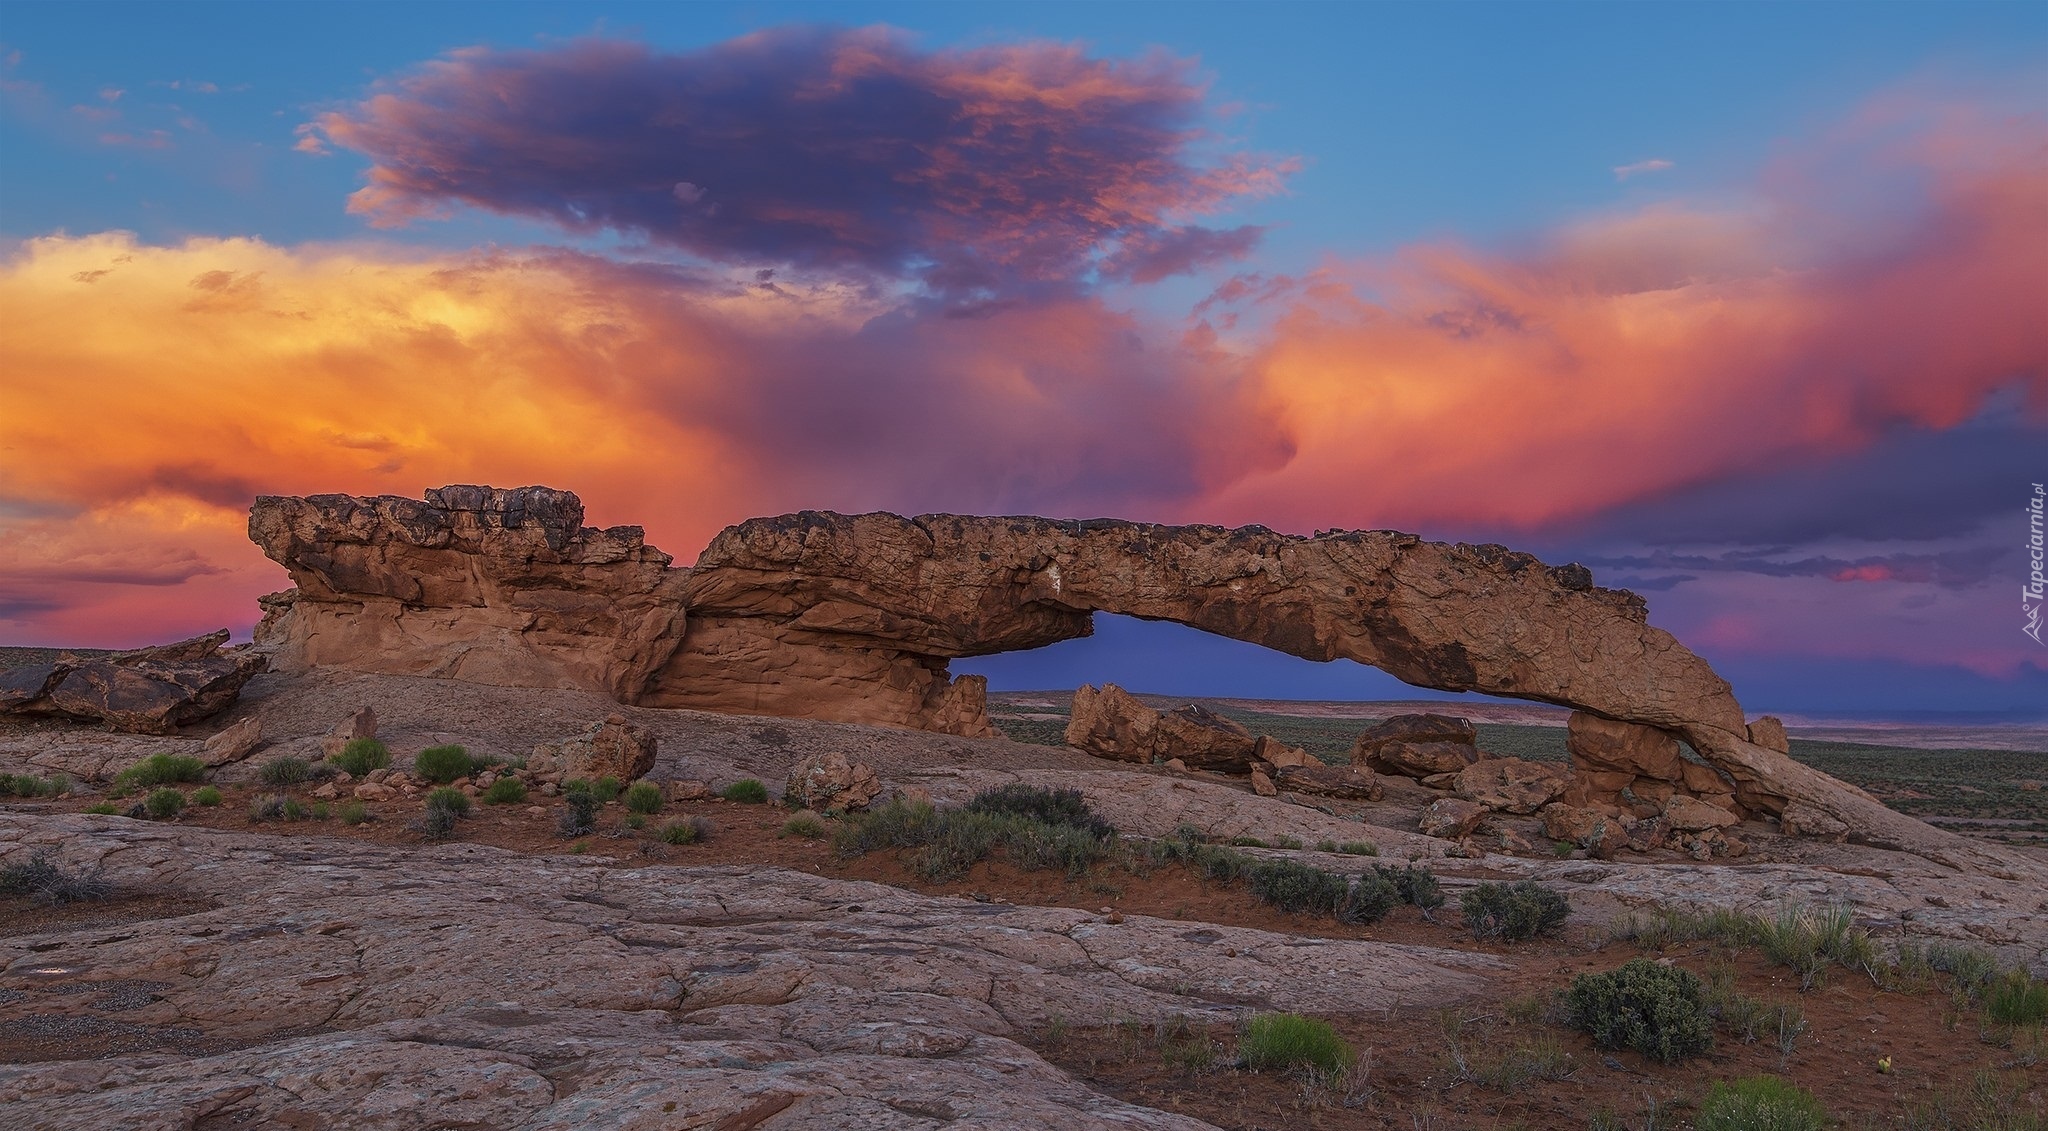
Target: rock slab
(146, 691)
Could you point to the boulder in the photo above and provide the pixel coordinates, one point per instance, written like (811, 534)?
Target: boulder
(360, 724)
(146, 691)
(1263, 785)
(1690, 815)
(1606, 745)
(686, 790)
(1450, 818)
(233, 744)
(1769, 733)
(1418, 759)
(1600, 834)
(829, 781)
(1424, 727)
(1278, 754)
(1512, 785)
(613, 748)
(1112, 723)
(1350, 783)
(1807, 821)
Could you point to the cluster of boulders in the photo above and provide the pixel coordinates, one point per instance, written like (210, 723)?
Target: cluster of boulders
(1112, 723)
(1627, 787)
(147, 691)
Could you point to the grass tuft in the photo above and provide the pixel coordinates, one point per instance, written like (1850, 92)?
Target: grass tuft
(505, 791)
(643, 797)
(746, 791)
(1290, 1041)
(160, 769)
(362, 755)
(443, 764)
(1759, 1103)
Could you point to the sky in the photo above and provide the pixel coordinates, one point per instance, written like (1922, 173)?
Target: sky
(1743, 306)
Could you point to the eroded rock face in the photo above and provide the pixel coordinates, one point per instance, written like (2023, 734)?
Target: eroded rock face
(1450, 818)
(146, 691)
(1352, 783)
(1511, 785)
(475, 583)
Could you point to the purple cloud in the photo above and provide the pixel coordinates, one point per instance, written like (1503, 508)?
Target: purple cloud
(823, 148)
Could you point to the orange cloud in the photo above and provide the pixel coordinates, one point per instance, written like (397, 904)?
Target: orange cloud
(1632, 355)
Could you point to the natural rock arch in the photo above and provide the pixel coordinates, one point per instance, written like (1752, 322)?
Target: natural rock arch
(854, 618)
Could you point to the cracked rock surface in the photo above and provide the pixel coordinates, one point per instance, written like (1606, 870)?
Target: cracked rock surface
(338, 983)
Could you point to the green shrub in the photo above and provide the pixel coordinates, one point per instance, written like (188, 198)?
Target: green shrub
(293, 810)
(1512, 912)
(505, 791)
(1759, 1103)
(29, 785)
(1810, 941)
(635, 821)
(285, 772)
(1289, 1040)
(448, 797)
(1414, 885)
(688, 831)
(436, 823)
(1047, 806)
(809, 826)
(163, 804)
(1292, 886)
(443, 764)
(896, 824)
(1653, 1009)
(49, 882)
(2016, 998)
(267, 807)
(160, 769)
(579, 811)
(1359, 848)
(362, 755)
(206, 795)
(643, 797)
(354, 813)
(746, 791)
(320, 811)
(103, 808)
(948, 842)
(607, 788)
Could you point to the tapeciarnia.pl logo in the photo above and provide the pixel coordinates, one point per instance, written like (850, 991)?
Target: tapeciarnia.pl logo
(2032, 594)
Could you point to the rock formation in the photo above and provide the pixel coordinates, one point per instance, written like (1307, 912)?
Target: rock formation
(146, 691)
(1112, 723)
(613, 748)
(830, 781)
(856, 618)
(1417, 746)
(491, 586)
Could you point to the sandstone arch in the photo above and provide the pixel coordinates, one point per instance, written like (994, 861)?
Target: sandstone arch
(854, 618)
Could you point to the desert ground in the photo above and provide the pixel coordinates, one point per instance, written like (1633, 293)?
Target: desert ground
(300, 970)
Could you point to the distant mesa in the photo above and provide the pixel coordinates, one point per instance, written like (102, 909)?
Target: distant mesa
(855, 618)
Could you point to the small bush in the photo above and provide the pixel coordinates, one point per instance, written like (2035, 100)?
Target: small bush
(2016, 998)
(636, 821)
(897, 824)
(160, 769)
(443, 764)
(1288, 842)
(267, 807)
(320, 811)
(1415, 885)
(643, 797)
(1247, 842)
(1655, 1010)
(436, 823)
(354, 813)
(285, 772)
(1513, 912)
(685, 832)
(747, 791)
(1359, 848)
(607, 788)
(451, 799)
(1292, 886)
(1048, 806)
(163, 804)
(1759, 1103)
(103, 809)
(206, 795)
(1289, 1040)
(809, 826)
(29, 785)
(362, 755)
(579, 812)
(505, 791)
(49, 882)
(292, 810)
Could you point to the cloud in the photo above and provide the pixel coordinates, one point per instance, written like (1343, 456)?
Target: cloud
(1949, 569)
(981, 169)
(1888, 278)
(683, 401)
(1639, 168)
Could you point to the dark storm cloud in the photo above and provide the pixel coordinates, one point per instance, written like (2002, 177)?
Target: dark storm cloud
(827, 148)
